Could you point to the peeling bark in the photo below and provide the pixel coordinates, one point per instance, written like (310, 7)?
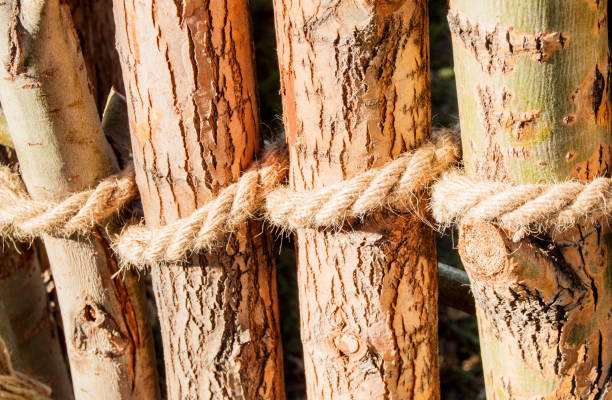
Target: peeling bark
(355, 86)
(191, 90)
(592, 97)
(59, 142)
(543, 305)
(497, 47)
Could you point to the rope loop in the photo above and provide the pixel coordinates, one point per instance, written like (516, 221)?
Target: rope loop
(23, 218)
(259, 193)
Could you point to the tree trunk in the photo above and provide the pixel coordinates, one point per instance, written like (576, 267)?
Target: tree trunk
(55, 127)
(94, 23)
(533, 86)
(192, 98)
(23, 293)
(355, 86)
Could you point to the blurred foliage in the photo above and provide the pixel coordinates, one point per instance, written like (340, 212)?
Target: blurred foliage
(460, 368)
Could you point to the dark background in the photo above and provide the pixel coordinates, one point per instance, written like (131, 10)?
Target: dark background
(460, 367)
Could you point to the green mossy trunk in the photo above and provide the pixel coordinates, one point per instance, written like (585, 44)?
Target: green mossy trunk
(533, 90)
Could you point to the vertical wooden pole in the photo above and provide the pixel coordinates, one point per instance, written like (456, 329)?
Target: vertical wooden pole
(356, 93)
(59, 142)
(190, 84)
(533, 81)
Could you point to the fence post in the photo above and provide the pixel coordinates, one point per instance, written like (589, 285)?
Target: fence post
(194, 121)
(533, 88)
(61, 148)
(356, 93)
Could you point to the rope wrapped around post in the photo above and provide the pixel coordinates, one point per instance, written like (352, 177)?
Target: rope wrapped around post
(23, 218)
(258, 193)
(17, 386)
(521, 209)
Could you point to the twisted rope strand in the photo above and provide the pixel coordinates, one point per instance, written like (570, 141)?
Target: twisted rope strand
(17, 386)
(24, 218)
(140, 245)
(259, 191)
(392, 185)
(521, 209)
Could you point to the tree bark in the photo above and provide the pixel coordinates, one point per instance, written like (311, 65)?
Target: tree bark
(533, 86)
(59, 142)
(94, 23)
(356, 93)
(188, 69)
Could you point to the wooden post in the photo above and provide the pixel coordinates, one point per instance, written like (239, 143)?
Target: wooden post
(61, 148)
(533, 86)
(190, 84)
(355, 86)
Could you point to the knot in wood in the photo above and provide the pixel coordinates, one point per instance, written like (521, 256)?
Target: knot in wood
(347, 343)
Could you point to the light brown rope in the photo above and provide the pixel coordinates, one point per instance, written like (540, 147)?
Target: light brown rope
(24, 218)
(140, 246)
(392, 186)
(17, 386)
(258, 191)
(521, 209)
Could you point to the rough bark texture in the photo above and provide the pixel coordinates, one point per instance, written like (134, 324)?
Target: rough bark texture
(188, 69)
(355, 85)
(94, 23)
(533, 87)
(56, 131)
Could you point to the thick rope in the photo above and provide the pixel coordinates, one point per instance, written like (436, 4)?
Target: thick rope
(24, 218)
(258, 191)
(392, 186)
(17, 386)
(521, 209)
(139, 245)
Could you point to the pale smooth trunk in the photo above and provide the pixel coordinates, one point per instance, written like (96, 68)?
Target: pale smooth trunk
(61, 148)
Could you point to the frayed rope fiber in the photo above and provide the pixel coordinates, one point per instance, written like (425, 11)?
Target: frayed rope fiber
(259, 191)
(520, 209)
(17, 386)
(23, 218)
